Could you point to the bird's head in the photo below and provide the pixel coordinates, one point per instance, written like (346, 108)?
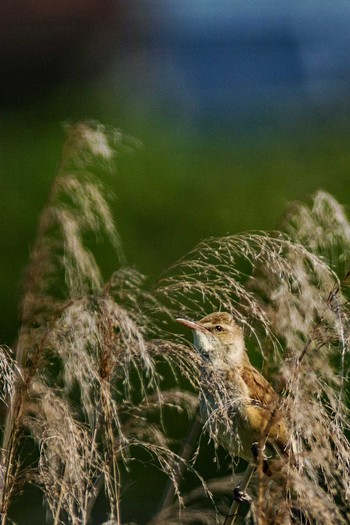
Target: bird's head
(218, 338)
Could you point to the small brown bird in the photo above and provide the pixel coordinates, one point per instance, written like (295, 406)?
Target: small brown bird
(254, 405)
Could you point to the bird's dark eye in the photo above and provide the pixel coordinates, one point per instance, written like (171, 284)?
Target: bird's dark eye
(218, 328)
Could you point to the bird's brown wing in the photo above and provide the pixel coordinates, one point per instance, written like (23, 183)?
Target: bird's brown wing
(260, 390)
(264, 411)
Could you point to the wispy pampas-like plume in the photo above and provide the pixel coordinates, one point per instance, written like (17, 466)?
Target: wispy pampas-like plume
(289, 300)
(85, 366)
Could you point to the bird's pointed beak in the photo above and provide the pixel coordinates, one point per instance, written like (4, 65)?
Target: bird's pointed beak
(190, 324)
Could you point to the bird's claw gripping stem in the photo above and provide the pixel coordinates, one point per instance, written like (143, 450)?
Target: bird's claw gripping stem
(241, 495)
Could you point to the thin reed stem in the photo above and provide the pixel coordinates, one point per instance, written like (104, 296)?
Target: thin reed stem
(243, 485)
(185, 453)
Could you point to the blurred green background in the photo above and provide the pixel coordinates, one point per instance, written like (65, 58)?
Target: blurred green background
(240, 109)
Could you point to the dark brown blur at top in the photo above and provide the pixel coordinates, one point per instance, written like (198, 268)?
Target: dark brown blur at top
(43, 43)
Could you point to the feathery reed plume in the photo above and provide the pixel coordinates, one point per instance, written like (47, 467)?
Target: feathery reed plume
(291, 301)
(322, 227)
(85, 364)
(61, 270)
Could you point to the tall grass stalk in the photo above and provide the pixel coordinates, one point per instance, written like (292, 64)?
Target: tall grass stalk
(84, 378)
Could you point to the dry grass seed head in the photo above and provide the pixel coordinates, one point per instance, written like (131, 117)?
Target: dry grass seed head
(65, 450)
(8, 372)
(284, 288)
(62, 267)
(99, 333)
(323, 227)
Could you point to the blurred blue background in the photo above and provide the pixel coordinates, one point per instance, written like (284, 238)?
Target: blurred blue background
(217, 62)
(241, 107)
